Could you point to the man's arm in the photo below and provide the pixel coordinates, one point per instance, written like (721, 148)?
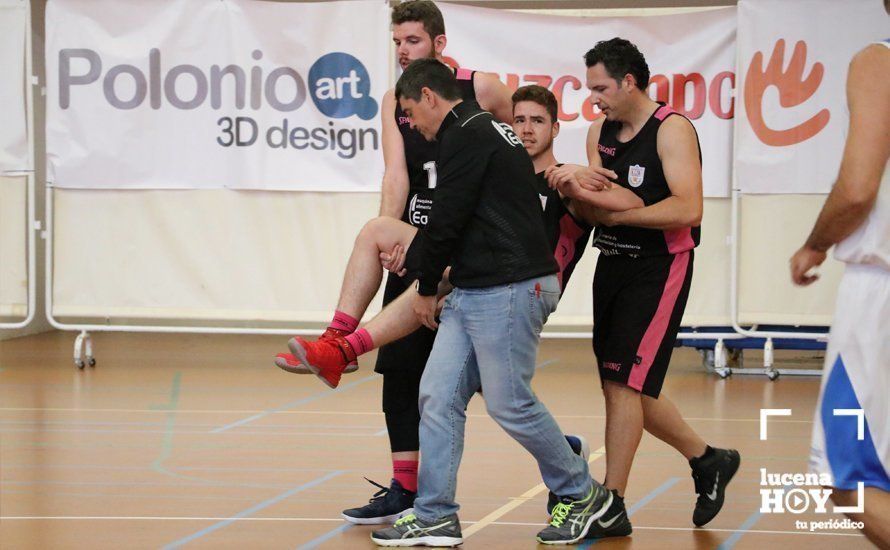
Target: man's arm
(679, 155)
(865, 158)
(579, 184)
(494, 96)
(584, 202)
(463, 159)
(394, 191)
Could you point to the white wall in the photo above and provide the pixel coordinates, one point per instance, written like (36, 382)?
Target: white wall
(272, 256)
(13, 253)
(17, 206)
(201, 256)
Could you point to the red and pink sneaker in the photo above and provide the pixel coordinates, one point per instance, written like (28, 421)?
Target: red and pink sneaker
(326, 358)
(289, 363)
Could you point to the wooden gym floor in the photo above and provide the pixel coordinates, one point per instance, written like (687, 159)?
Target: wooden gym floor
(199, 441)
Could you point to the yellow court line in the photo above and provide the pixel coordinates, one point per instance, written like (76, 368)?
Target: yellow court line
(515, 502)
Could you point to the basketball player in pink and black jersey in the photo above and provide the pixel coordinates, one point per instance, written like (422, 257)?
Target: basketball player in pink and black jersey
(644, 271)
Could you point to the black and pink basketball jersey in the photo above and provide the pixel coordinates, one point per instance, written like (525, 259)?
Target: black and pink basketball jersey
(639, 169)
(567, 235)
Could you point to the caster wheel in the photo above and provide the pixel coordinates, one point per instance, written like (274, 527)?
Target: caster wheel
(724, 373)
(79, 364)
(91, 362)
(772, 375)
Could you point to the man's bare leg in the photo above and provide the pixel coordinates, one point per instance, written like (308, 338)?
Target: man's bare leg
(624, 429)
(327, 358)
(876, 514)
(363, 272)
(662, 419)
(397, 319)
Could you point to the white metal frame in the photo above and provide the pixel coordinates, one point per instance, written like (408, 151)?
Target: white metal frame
(83, 348)
(33, 226)
(83, 352)
(768, 346)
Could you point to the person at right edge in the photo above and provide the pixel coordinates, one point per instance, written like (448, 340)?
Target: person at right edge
(856, 375)
(643, 273)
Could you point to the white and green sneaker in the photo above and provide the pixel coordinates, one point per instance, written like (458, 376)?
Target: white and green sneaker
(572, 518)
(413, 531)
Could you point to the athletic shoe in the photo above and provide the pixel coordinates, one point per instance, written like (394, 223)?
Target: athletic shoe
(572, 519)
(712, 473)
(331, 333)
(580, 447)
(613, 523)
(288, 362)
(413, 531)
(385, 507)
(326, 358)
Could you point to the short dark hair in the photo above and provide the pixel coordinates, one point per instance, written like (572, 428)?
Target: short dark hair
(620, 57)
(537, 94)
(430, 73)
(421, 11)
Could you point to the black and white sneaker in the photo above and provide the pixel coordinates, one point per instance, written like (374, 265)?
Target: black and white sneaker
(580, 447)
(613, 523)
(385, 507)
(712, 472)
(413, 531)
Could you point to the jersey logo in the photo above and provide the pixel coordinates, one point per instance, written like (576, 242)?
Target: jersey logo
(419, 210)
(635, 175)
(543, 201)
(506, 133)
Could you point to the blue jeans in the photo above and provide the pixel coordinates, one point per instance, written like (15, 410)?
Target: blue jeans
(489, 337)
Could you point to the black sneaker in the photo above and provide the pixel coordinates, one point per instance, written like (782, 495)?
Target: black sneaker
(712, 473)
(412, 531)
(385, 507)
(613, 523)
(572, 519)
(581, 448)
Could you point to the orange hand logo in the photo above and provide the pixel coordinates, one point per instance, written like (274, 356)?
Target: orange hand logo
(793, 90)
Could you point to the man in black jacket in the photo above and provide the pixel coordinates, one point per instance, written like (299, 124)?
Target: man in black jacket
(487, 224)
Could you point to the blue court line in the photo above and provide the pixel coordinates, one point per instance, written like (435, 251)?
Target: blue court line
(734, 538)
(251, 510)
(651, 496)
(743, 528)
(323, 538)
(639, 504)
(292, 404)
(106, 497)
(170, 407)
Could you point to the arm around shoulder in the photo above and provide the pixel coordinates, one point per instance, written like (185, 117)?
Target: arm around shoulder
(494, 96)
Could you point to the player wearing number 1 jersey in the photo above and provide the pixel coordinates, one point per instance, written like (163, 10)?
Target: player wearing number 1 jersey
(418, 31)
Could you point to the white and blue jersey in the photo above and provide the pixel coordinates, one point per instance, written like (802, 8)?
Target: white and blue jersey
(857, 363)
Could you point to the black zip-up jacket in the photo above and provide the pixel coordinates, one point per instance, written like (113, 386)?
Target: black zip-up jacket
(486, 220)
